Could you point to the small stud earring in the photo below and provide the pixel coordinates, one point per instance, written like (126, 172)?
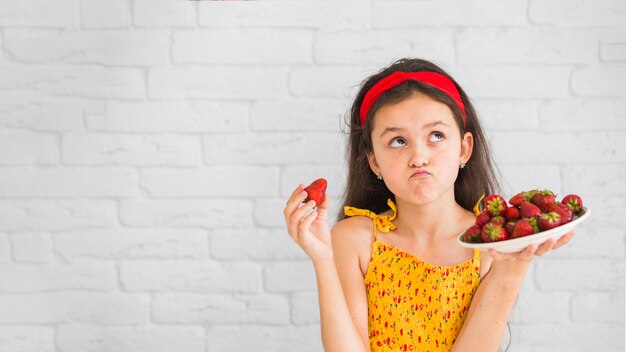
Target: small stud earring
(379, 176)
(462, 165)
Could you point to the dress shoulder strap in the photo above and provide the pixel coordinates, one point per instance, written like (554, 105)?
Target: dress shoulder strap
(477, 256)
(382, 222)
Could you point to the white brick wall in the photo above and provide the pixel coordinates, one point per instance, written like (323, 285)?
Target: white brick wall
(147, 149)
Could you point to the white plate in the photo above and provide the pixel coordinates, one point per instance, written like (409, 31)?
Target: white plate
(517, 244)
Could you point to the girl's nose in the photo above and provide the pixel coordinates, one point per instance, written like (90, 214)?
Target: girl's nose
(419, 157)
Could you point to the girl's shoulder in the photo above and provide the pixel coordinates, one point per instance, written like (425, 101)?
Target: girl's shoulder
(353, 237)
(353, 227)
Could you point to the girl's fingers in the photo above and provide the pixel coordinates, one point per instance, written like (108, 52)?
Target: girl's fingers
(292, 205)
(305, 223)
(301, 211)
(495, 254)
(525, 254)
(529, 252)
(545, 247)
(291, 202)
(564, 239)
(297, 216)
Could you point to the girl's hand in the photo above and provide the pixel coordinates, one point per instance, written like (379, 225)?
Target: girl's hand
(514, 265)
(310, 232)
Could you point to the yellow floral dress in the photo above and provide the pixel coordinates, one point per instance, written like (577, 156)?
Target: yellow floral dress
(413, 305)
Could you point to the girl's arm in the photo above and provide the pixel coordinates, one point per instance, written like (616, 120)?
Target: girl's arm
(340, 331)
(494, 298)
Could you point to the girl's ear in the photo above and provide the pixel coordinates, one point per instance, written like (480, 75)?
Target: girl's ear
(467, 145)
(373, 164)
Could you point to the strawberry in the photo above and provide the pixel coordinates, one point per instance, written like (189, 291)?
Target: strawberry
(472, 235)
(528, 209)
(493, 233)
(533, 222)
(316, 191)
(510, 226)
(566, 213)
(549, 220)
(512, 213)
(517, 199)
(543, 200)
(574, 202)
(498, 220)
(495, 204)
(483, 218)
(528, 195)
(522, 228)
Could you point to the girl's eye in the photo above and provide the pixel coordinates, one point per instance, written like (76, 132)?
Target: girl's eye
(396, 139)
(439, 136)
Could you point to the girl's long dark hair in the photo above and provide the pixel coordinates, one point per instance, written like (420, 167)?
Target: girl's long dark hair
(364, 190)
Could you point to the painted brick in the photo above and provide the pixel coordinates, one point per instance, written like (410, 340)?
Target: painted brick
(448, 13)
(297, 114)
(75, 307)
(186, 213)
(131, 149)
(85, 338)
(285, 14)
(79, 275)
(76, 81)
(264, 338)
(379, 47)
(68, 182)
(105, 13)
(149, 13)
(273, 148)
(110, 47)
(216, 82)
(28, 148)
(190, 308)
(191, 276)
(56, 215)
(258, 46)
(123, 243)
(186, 116)
(32, 246)
(254, 244)
(27, 338)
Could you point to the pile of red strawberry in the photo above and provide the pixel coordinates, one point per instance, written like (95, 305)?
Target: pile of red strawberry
(528, 213)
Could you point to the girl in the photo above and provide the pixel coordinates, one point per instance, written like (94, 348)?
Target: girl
(395, 279)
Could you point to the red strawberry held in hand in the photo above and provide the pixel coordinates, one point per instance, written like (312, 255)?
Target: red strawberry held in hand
(543, 199)
(495, 205)
(493, 233)
(522, 228)
(547, 221)
(473, 235)
(316, 191)
(574, 202)
(529, 210)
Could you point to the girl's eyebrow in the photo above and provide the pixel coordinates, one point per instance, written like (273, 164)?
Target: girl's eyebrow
(428, 125)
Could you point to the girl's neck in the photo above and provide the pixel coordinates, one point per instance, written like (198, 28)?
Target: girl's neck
(432, 221)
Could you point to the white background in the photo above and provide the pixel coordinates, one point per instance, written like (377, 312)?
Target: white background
(147, 150)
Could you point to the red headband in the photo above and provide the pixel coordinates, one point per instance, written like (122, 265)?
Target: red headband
(431, 78)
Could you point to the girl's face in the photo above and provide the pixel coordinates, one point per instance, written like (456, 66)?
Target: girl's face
(418, 149)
